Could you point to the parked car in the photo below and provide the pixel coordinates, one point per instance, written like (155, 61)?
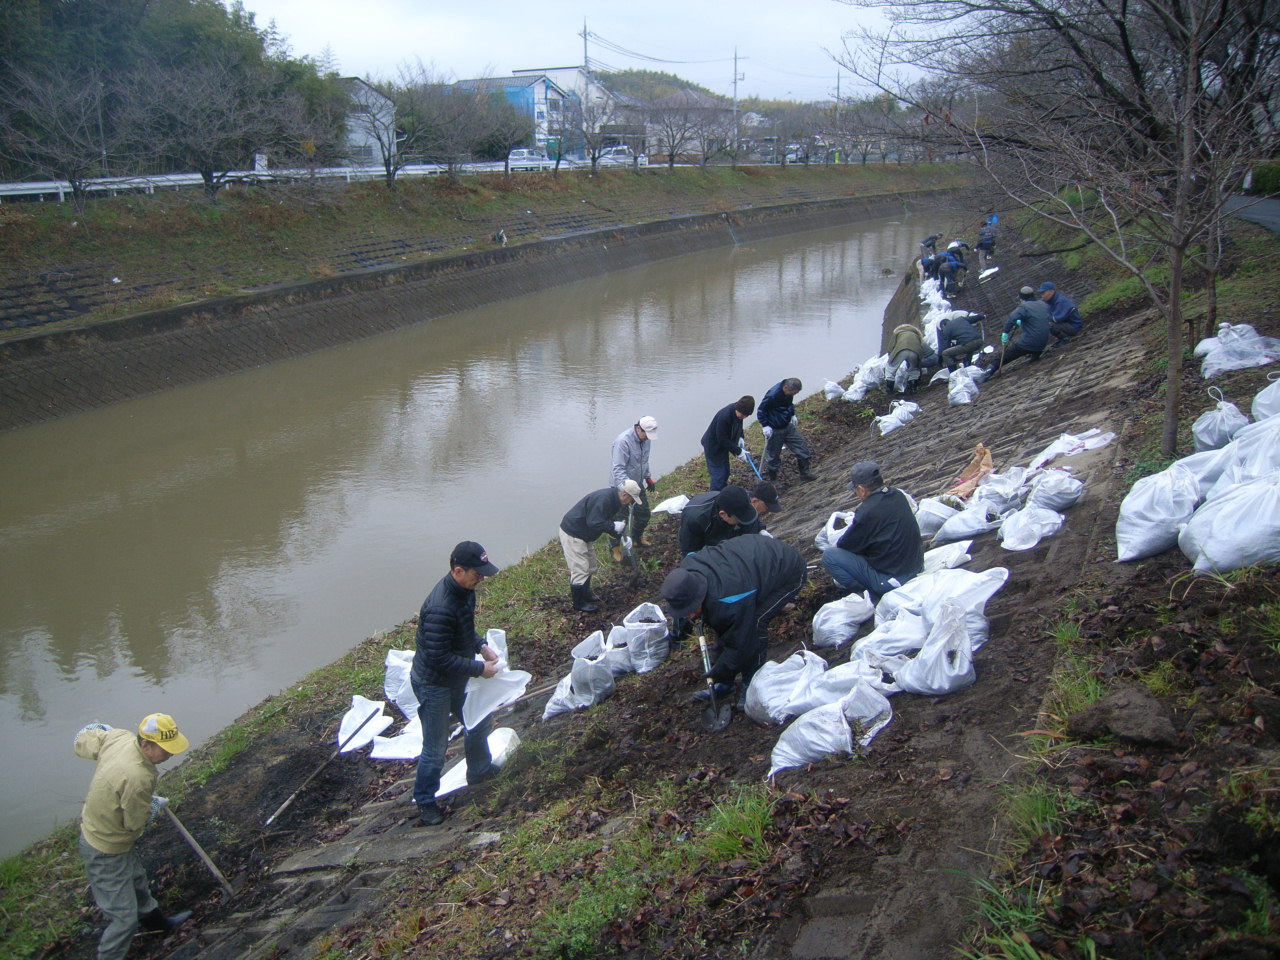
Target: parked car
(621, 157)
(524, 158)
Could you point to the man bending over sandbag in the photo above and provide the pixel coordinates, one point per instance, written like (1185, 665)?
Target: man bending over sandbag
(736, 588)
(880, 550)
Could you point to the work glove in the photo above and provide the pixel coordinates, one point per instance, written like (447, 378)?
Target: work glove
(649, 484)
(742, 454)
(768, 433)
(618, 527)
(89, 726)
(795, 421)
(626, 543)
(158, 804)
(1004, 338)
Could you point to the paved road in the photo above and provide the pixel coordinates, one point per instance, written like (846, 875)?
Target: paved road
(1264, 211)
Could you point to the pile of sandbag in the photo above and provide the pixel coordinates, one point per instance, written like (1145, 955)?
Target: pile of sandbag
(1220, 506)
(1236, 347)
(901, 412)
(639, 645)
(1025, 505)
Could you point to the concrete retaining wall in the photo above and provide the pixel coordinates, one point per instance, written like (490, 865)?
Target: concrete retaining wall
(50, 375)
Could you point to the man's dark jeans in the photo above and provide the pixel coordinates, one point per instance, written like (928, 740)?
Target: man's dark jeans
(435, 705)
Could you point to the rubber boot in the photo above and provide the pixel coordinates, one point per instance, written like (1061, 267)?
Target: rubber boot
(771, 475)
(580, 599)
(156, 920)
(590, 594)
(804, 470)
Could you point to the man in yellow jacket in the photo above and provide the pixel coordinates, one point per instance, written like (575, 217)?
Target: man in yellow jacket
(118, 806)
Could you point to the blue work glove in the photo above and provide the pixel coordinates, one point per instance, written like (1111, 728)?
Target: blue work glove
(1004, 338)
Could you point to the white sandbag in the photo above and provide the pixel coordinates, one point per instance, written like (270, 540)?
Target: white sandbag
(946, 557)
(1214, 428)
(564, 700)
(904, 634)
(672, 505)
(835, 684)
(405, 746)
(1004, 491)
(1055, 490)
(615, 650)
(1070, 444)
(1266, 403)
(837, 622)
(942, 374)
(1152, 511)
(832, 729)
(485, 695)
(901, 412)
(647, 637)
(978, 517)
(926, 594)
(774, 683)
(962, 389)
(832, 390)
(868, 377)
(1241, 528)
(592, 677)
(1024, 528)
(931, 514)
(1238, 348)
(1207, 467)
(366, 712)
(833, 529)
(1255, 453)
(945, 662)
(396, 683)
(503, 743)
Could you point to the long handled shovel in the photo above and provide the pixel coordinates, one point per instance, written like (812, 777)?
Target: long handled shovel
(199, 851)
(716, 716)
(629, 552)
(293, 796)
(753, 464)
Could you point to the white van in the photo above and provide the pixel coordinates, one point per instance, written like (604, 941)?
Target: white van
(621, 157)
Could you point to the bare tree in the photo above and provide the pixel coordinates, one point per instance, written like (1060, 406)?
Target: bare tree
(675, 121)
(53, 123)
(1130, 121)
(591, 121)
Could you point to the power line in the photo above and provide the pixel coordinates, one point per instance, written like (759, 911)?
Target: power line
(616, 48)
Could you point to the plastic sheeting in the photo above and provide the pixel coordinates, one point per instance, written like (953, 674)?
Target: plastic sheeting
(361, 710)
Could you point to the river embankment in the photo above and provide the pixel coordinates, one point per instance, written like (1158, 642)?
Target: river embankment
(61, 353)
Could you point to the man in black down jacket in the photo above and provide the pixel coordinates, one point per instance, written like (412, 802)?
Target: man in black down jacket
(582, 526)
(443, 663)
(711, 518)
(724, 437)
(736, 588)
(880, 550)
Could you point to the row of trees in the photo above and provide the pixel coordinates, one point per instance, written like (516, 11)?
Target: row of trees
(1129, 121)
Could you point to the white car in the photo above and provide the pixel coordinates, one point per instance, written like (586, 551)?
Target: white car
(528, 159)
(621, 157)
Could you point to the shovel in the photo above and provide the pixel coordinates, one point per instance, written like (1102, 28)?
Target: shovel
(628, 549)
(753, 464)
(199, 852)
(716, 716)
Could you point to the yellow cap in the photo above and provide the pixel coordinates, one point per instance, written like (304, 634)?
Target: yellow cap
(159, 728)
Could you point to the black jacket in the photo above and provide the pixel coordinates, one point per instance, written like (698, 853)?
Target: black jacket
(724, 434)
(956, 331)
(701, 526)
(447, 638)
(884, 531)
(592, 515)
(740, 573)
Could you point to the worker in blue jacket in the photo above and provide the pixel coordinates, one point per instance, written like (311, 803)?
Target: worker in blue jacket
(777, 416)
(1067, 322)
(723, 437)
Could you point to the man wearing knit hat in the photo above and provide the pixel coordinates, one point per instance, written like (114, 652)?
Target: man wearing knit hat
(631, 462)
(119, 804)
(581, 527)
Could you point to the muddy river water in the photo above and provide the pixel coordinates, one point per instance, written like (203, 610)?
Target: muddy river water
(196, 551)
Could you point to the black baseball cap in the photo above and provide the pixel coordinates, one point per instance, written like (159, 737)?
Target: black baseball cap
(767, 494)
(470, 554)
(736, 502)
(684, 591)
(865, 474)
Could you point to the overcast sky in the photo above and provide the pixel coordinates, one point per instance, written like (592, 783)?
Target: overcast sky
(781, 44)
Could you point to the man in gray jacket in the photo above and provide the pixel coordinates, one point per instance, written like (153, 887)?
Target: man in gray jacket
(1032, 317)
(631, 462)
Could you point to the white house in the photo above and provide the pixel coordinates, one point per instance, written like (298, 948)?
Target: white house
(370, 123)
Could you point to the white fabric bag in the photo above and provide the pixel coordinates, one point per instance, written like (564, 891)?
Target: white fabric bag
(672, 505)
(485, 695)
(1214, 428)
(962, 389)
(772, 686)
(361, 711)
(647, 637)
(832, 390)
(830, 729)
(954, 554)
(931, 514)
(1241, 528)
(396, 682)
(1207, 467)
(835, 684)
(1266, 403)
(833, 530)
(906, 633)
(1254, 452)
(837, 622)
(926, 594)
(615, 650)
(405, 746)
(1004, 491)
(1070, 444)
(978, 517)
(1055, 490)
(1152, 511)
(503, 742)
(945, 662)
(900, 413)
(1024, 528)
(1238, 348)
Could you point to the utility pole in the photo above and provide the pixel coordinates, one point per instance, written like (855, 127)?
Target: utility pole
(586, 63)
(736, 77)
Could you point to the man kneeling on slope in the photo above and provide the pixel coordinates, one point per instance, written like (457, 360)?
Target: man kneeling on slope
(881, 548)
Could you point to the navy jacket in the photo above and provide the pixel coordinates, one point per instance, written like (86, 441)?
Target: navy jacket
(724, 434)
(592, 515)
(447, 638)
(776, 409)
(885, 533)
(956, 331)
(1063, 310)
(701, 526)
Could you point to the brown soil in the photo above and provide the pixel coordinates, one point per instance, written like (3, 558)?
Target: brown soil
(876, 855)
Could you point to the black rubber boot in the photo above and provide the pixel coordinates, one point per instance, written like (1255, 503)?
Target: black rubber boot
(156, 920)
(804, 470)
(771, 475)
(590, 594)
(581, 600)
